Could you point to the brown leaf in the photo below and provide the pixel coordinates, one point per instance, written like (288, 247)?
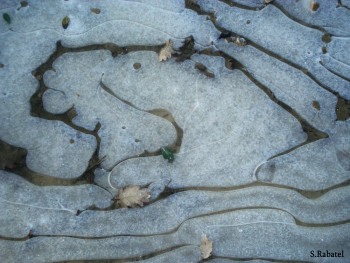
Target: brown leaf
(166, 51)
(132, 196)
(314, 6)
(206, 247)
(95, 10)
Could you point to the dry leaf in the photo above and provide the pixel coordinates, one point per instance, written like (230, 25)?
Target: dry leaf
(206, 247)
(240, 41)
(132, 196)
(95, 10)
(314, 6)
(165, 52)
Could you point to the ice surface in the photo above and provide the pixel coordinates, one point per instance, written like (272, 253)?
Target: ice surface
(234, 233)
(260, 132)
(167, 215)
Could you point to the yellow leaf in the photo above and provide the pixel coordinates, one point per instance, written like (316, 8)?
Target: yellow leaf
(206, 247)
(132, 196)
(314, 6)
(166, 51)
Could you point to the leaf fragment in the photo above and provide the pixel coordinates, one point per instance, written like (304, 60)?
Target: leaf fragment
(95, 10)
(6, 17)
(316, 105)
(65, 22)
(166, 51)
(206, 247)
(132, 196)
(314, 6)
(167, 154)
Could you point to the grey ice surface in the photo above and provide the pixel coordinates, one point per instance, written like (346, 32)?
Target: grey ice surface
(269, 27)
(276, 228)
(246, 174)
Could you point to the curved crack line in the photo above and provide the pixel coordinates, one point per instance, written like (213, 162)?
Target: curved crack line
(341, 62)
(253, 223)
(297, 221)
(283, 153)
(90, 29)
(87, 31)
(333, 72)
(177, 228)
(309, 194)
(340, 4)
(110, 92)
(39, 207)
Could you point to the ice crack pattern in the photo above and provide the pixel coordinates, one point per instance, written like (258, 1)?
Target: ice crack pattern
(253, 105)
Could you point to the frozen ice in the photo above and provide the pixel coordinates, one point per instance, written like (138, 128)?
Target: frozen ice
(233, 235)
(260, 132)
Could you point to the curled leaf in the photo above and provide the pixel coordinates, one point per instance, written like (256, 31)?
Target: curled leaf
(6, 17)
(132, 196)
(206, 247)
(166, 51)
(167, 154)
(95, 10)
(65, 22)
(314, 6)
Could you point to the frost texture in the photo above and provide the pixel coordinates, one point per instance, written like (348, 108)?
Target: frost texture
(261, 144)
